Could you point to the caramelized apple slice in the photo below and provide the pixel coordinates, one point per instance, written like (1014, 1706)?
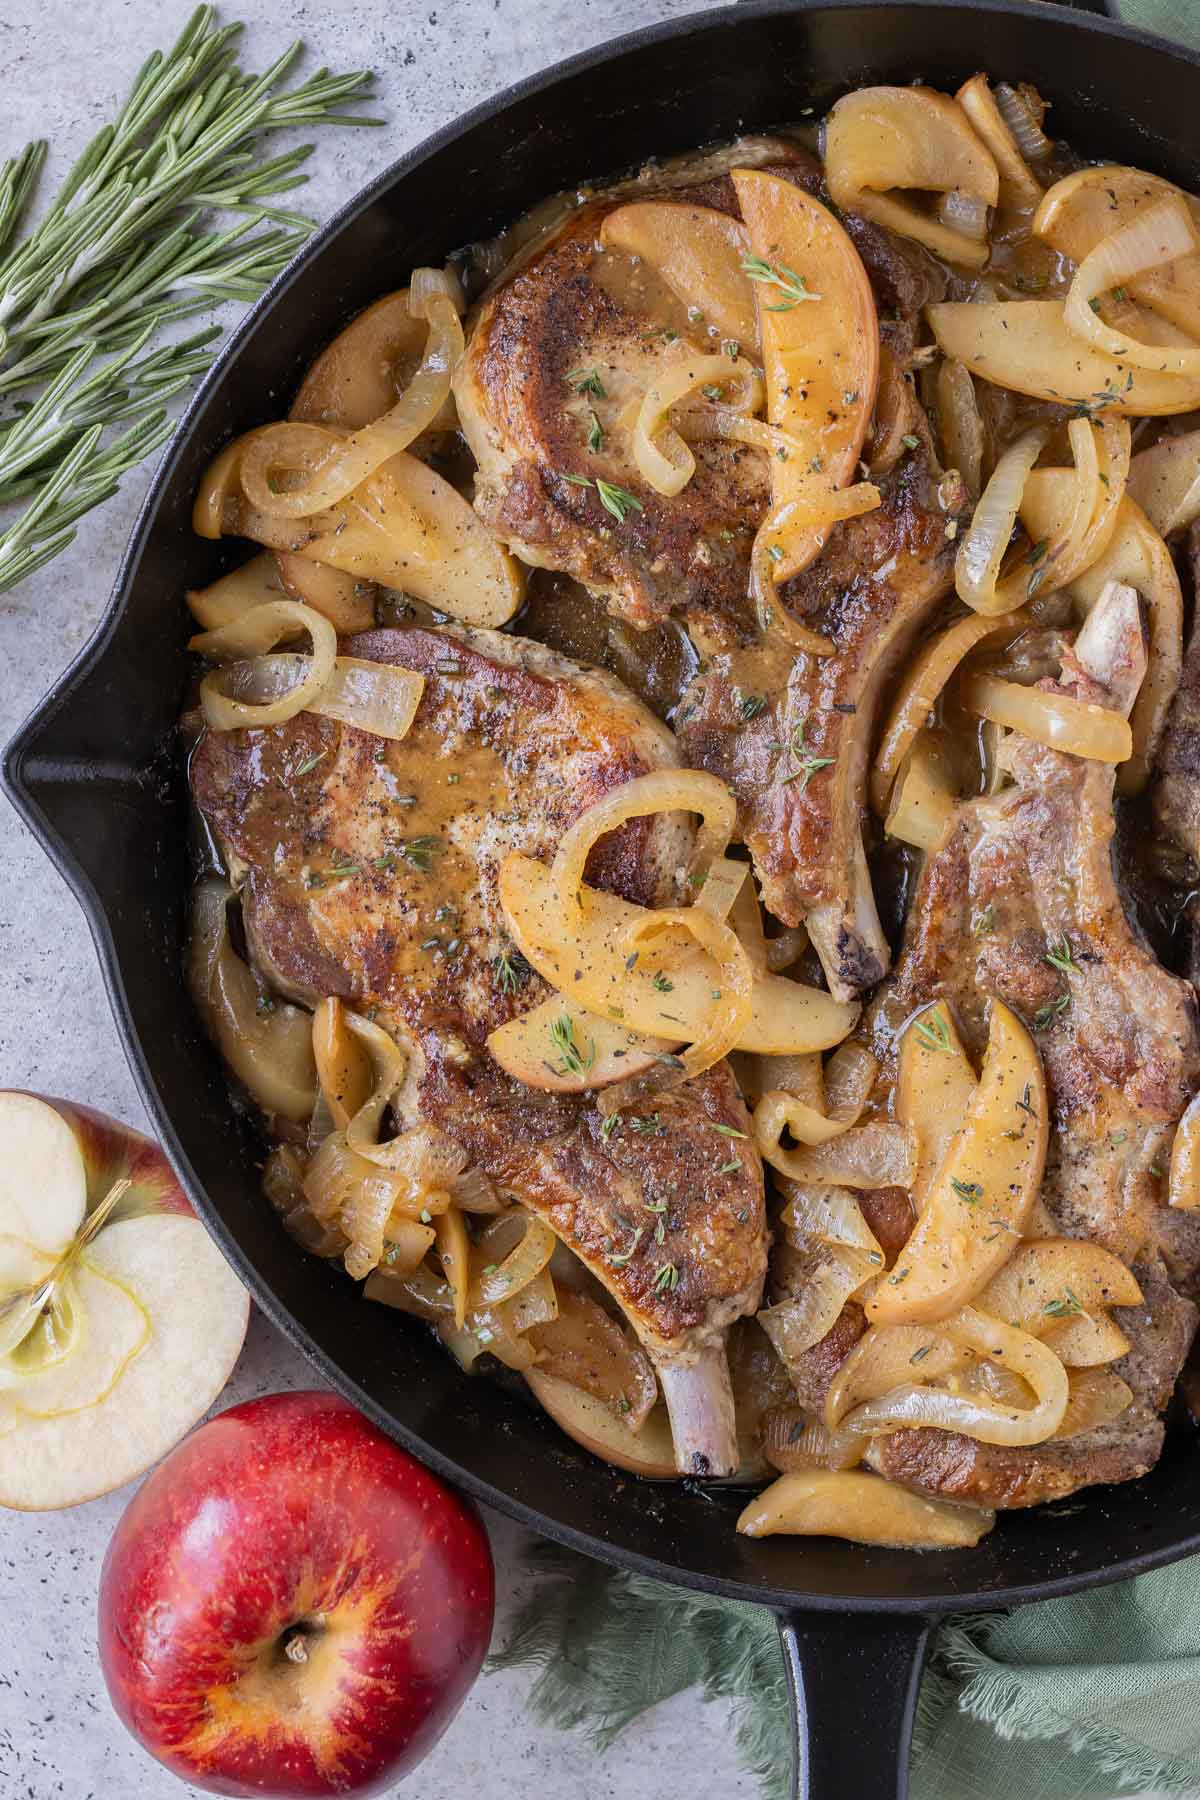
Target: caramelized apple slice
(1048, 1284)
(820, 342)
(564, 1049)
(935, 1084)
(649, 1452)
(881, 139)
(1025, 345)
(585, 952)
(982, 1193)
(865, 1509)
(698, 252)
(1089, 205)
(1097, 1397)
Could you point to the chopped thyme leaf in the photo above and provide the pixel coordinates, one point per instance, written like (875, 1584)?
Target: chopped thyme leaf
(816, 464)
(933, 1032)
(1117, 1138)
(631, 961)
(1023, 1103)
(1038, 550)
(899, 1276)
(666, 1278)
(510, 970)
(310, 762)
(417, 852)
(1157, 1169)
(618, 500)
(729, 1167)
(731, 348)
(807, 763)
(576, 480)
(919, 1355)
(729, 1131)
(651, 1126)
(1120, 293)
(618, 1262)
(609, 1125)
(586, 381)
(575, 1061)
(660, 983)
(595, 438)
(751, 705)
(775, 552)
(793, 287)
(1067, 1308)
(1046, 1015)
(984, 921)
(1062, 956)
(712, 391)
(911, 441)
(264, 1005)
(970, 1191)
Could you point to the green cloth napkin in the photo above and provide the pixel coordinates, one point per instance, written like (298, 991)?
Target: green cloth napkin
(1014, 1705)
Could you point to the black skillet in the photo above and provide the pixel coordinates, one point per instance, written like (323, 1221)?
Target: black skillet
(96, 776)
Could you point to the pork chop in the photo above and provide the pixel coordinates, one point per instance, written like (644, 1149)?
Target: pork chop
(577, 311)
(368, 870)
(1176, 791)
(1018, 877)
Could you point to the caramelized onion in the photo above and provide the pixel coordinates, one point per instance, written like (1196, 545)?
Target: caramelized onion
(660, 453)
(880, 1154)
(335, 469)
(792, 1440)
(960, 424)
(269, 1049)
(1078, 727)
(1097, 1397)
(925, 795)
(796, 1324)
(375, 697)
(982, 550)
(662, 790)
(1019, 191)
(249, 635)
(503, 1280)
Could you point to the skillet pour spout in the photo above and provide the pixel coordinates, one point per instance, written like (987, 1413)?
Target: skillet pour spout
(96, 776)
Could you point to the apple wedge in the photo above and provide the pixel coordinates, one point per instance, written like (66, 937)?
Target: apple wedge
(935, 1085)
(1091, 204)
(649, 1452)
(1060, 1290)
(865, 1509)
(122, 1319)
(820, 345)
(981, 1195)
(563, 1049)
(698, 252)
(586, 952)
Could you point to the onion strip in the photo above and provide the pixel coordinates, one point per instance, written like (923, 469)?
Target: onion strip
(250, 634)
(1076, 727)
(982, 551)
(1161, 234)
(375, 697)
(662, 790)
(660, 453)
(352, 460)
(503, 1280)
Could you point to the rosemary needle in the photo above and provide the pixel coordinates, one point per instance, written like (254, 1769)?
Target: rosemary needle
(126, 248)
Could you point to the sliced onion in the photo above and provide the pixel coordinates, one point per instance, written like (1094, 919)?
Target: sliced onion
(1184, 1188)
(503, 1280)
(880, 1154)
(963, 213)
(344, 1069)
(1020, 1354)
(345, 465)
(1019, 115)
(920, 689)
(716, 421)
(476, 1192)
(662, 790)
(375, 697)
(829, 1215)
(536, 1304)
(1160, 234)
(982, 550)
(777, 1112)
(661, 455)
(796, 1324)
(850, 1075)
(960, 423)
(889, 1357)
(786, 947)
(792, 1440)
(269, 1052)
(723, 882)
(255, 584)
(250, 635)
(1077, 727)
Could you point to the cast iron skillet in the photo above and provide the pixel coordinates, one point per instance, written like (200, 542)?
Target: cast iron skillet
(96, 776)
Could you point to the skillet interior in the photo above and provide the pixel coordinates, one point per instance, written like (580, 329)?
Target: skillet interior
(95, 771)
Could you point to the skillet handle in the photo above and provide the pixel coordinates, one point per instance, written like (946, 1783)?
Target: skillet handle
(853, 1680)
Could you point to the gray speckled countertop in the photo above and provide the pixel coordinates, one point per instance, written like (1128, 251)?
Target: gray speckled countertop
(63, 66)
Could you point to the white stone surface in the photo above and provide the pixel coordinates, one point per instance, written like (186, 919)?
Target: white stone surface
(63, 67)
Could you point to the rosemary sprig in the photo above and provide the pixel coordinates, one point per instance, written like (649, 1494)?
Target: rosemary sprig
(127, 247)
(792, 286)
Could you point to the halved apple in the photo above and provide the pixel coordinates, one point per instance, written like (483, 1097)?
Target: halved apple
(564, 1049)
(981, 1195)
(698, 252)
(123, 1318)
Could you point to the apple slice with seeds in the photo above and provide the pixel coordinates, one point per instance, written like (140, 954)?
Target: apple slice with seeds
(120, 1320)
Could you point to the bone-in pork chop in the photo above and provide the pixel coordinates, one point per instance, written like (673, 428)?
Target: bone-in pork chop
(368, 870)
(1018, 877)
(575, 311)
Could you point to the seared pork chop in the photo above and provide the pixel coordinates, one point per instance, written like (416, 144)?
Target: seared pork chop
(1017, 877)
(1176, 792)
(576, 311)
(368, 870)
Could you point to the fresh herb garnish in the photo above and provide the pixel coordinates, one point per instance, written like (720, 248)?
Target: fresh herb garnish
(984, 921)
(970, 1191)
(920, 1355)
(651, 1126)
(712, 391)
(510, 970)
(807, 764)
(1067, 1308)
(911, 441)
(1046, 1015)
(595, 437)
(1024, 1104)
(1062, 957)
(575, 1060)
(609, 1125)
(310, 762)
(586, 381)
(729, 1167)
(618, 500)
(751, 705)
(666, 1278)
(618, 1262)
(729, 1131)
(793, 287)
(418, 852)
(933, 1032)
(660, 983)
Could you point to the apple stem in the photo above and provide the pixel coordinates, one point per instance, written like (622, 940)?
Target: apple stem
(296, 1650)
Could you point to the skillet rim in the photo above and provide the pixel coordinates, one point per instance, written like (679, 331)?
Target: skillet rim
(26, 743)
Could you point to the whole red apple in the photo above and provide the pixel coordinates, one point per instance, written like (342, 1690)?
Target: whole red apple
(291, 1605)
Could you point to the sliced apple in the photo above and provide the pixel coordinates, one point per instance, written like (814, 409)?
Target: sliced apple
(698, 252)
(1026, 345)
(1091, 204)
(585, 952)
(1052, 1279)
(820, 342)
(981, 1195)
(865, 1509)
(648, 1452)
(1097, 1397)
(935, 1085)
(136, 1320)
(1087, 1343)
(564, 1049)
(1137, 556)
